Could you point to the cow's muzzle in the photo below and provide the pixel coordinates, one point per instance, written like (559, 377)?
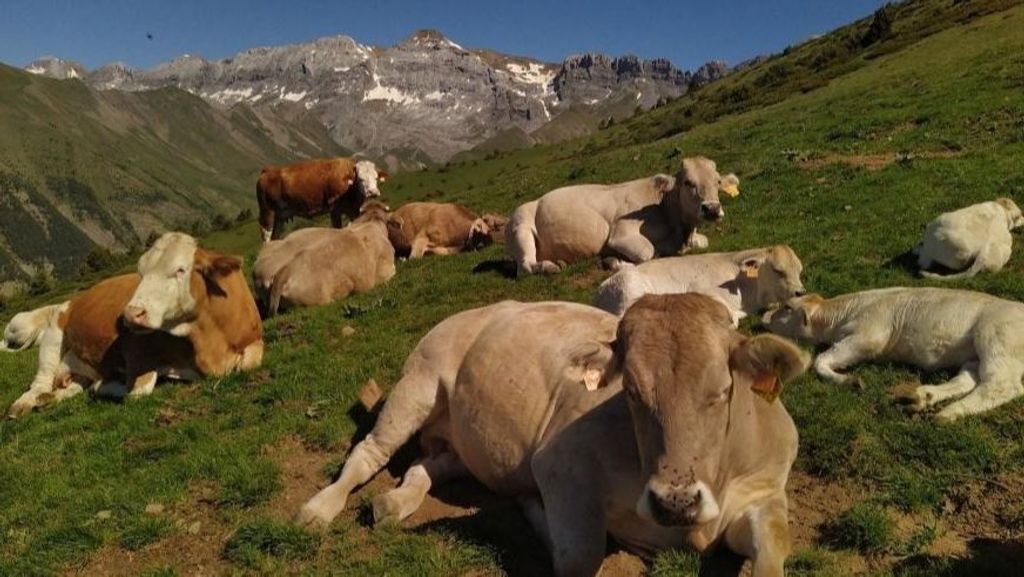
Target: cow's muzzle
(711, 210)
(137, 319)
(675, 506)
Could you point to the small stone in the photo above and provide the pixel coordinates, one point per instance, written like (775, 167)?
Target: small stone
(848, 207)
(154, 509)
(347, 331)
(104, 515)
(193, 529)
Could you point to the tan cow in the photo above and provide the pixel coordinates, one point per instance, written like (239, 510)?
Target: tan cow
(25, 329)
(420, 228)
(652, 430)
(746, 281)
(931, 328)
(633, 221)
(316, 266)
(337, 186)
(971, 240)
(187, 313)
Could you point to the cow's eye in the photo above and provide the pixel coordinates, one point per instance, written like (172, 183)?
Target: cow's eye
(181, 271)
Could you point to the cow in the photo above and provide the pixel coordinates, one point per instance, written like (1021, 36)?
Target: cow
(420, 228)
(931, 328)
(632, 221)
(337, 186)
(662, 430)
(970, 240)
(746, 281)
(316, 266)
(187, 313)
(25, 329)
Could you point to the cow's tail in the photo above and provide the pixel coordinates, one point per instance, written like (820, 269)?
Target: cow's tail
(977, 265)
(407, 409)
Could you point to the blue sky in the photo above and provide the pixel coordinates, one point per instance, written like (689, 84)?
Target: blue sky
(95, 32)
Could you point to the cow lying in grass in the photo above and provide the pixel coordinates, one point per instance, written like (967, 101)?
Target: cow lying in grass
(652, 430)
(187, 313)
(930, 328)
(971, 240)
(746, 282)
(25, 329)
(632, 221)
(420, 228)
(316, 266)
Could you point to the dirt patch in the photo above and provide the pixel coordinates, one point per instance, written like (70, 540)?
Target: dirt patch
(193, 548)
(988, 509)
(302, 475)
(872, 162)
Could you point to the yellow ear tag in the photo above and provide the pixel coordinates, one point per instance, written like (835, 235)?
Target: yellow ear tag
(732, 190)
(751, 271)
(768, 386)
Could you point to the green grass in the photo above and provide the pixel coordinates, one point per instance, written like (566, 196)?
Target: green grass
(951, 98)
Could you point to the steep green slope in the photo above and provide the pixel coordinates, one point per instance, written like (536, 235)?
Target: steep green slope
(848, 174)
(81, 168)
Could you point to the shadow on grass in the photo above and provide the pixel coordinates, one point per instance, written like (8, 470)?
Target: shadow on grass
(988, 557)
(505, 268)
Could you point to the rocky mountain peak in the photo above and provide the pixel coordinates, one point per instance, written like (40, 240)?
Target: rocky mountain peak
(54, 67)
(428, 39)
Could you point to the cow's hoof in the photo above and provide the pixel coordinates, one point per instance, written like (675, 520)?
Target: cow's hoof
(310, 518)
(910, 396)
(548, 267)
(19, 409)
(386, 509)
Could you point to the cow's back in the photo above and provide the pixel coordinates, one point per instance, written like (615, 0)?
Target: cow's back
(501, 407)
(444, 224)
(310, 187)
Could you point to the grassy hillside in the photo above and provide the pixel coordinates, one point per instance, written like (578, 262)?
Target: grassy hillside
(81, 168)
(848, 174)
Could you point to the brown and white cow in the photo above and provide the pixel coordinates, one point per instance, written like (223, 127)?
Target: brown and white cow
(663, 430)
(337, 186)
(421, 228)
(316, 266)
(187, 313)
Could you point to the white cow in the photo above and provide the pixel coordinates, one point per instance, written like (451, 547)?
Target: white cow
(931, 328)
(746, 281)
(970, 240)
(631, 221)
(25, 329)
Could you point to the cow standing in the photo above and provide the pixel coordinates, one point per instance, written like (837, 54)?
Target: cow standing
(337, 186)
(677, 447)
(187, 313)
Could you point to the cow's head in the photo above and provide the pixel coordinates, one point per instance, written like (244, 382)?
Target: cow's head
(683, 367)
(1014, 218)
(176, 275)
(698, 185)
(479, 235)
(367, 177)
(794, 319)
(496, 222)
(776, 274)
(373, 210)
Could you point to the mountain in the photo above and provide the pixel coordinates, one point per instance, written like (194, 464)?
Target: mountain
(422, 100)
(82, 169)
(54, 67)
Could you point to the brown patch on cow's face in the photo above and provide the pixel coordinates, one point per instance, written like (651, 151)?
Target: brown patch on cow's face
(674, 353)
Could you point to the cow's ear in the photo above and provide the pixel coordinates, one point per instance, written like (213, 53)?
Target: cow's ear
(730, 185)
(214, 264)
(479, 227)
(769, 361)
(383, 176)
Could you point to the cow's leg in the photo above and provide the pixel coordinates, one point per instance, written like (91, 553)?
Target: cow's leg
(412, 403)
(51, 367)
(336, 215)
(627, 242)
(846, 352)
(697, 240)
(762, 535)
(268, 224)
(926, 396)
(999, 375)
(521, 243)
(420, 245)
(143, 384)
(399, 503)
(575, 526)
(533, 510)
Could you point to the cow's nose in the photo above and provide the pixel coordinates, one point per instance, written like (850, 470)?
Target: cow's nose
(711, 210)
(799, 293)
(135, 315)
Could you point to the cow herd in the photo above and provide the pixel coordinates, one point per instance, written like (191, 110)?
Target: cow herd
(648, 417)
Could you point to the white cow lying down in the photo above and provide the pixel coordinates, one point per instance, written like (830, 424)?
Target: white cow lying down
(931, 328)
(25, 329)
(746, 282)
(677, 447)
(971, 240)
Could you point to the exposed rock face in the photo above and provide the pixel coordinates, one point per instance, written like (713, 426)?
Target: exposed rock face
(422, 100)
(56, 68)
